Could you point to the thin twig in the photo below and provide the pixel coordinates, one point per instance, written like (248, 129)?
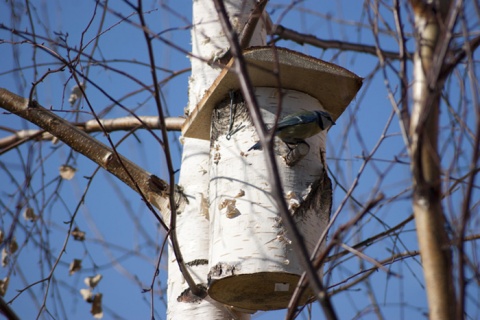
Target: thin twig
(466, 210)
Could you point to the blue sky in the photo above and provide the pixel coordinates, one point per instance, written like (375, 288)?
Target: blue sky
(118, 225)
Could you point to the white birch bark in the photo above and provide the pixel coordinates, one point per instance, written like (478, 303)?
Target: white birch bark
(250, 245)
(208, 44)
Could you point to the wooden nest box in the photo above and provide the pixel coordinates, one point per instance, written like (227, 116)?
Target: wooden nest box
(333, 86)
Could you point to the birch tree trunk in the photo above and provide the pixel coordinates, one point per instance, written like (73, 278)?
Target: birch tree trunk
(208, 44)
(426, 163)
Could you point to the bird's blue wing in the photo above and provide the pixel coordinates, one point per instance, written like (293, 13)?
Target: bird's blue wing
(296, 119)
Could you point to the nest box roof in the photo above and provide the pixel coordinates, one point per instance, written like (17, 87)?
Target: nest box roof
(330, 84)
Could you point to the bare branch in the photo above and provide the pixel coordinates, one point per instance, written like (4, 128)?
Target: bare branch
(101, 125)
(467, 48)
(302, 282)
(7, 311)
(248, 30)
(153, 189)
(300, 38)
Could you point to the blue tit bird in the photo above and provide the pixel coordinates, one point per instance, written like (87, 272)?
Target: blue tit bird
(296, 127)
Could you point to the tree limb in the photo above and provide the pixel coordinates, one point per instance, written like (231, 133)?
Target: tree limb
(103, 125)
(7, 311)
(434, 24)
(300, 38)
(153, 190)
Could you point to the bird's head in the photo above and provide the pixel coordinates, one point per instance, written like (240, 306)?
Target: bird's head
(324, 120)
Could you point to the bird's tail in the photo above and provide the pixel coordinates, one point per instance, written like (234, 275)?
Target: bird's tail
(256, 146)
